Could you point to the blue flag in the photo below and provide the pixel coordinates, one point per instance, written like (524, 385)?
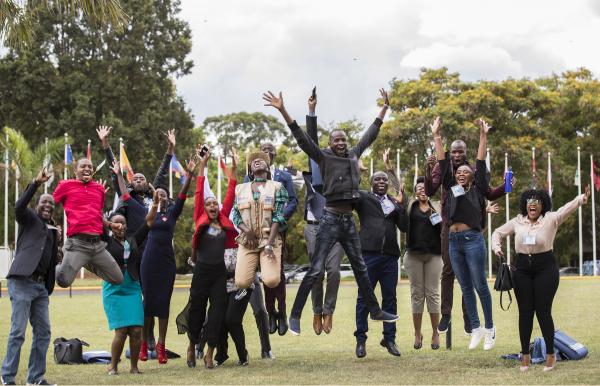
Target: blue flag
(178, 169)
(68, 155)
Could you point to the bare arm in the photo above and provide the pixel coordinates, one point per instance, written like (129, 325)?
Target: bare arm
(484, 128)
(437, 139)
(153, 210)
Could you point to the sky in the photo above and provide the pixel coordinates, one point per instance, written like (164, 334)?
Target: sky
(351, 48)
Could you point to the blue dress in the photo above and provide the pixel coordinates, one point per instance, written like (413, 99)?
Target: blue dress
(157, 271)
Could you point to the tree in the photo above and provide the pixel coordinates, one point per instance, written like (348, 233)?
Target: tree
(75, 76)
(247, 130)
(17, 18)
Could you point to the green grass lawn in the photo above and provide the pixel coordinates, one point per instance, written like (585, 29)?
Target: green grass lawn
(329, 359)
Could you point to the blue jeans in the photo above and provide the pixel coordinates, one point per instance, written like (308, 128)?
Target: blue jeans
(333, 228)
(382, 269)
(29, 302)
(468, 255)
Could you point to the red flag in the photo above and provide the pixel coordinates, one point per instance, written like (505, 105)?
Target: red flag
(89, 150)
(595, 177)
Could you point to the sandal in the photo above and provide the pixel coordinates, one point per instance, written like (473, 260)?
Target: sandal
(417, 346)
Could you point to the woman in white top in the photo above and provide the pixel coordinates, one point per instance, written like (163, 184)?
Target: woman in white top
(535, 275)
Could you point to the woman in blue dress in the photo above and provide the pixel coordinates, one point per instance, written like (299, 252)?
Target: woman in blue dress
(123, 302)
(157, 271)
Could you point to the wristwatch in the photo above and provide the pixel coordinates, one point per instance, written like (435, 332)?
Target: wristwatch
(269, 248)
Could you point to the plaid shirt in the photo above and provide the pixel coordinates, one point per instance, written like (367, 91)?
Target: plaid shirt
(281, 198)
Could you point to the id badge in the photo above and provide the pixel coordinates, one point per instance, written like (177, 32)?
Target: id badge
(212, 231)
(457, 191)
(529, 240)
(435, 218)
(269, 200)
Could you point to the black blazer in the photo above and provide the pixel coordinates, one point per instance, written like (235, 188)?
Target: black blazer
(31, 240)
(378, 231)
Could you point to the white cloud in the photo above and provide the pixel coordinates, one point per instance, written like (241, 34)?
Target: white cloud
(351, 48)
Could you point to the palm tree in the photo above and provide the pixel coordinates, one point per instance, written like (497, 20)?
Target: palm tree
(18, 16)
(27, 160)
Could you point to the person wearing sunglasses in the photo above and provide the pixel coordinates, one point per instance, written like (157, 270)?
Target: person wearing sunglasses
(535, 273)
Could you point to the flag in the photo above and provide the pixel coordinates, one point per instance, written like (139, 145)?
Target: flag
(595, 177)
(125, 164)
(177, 169)
(89, 150)
(68, 154)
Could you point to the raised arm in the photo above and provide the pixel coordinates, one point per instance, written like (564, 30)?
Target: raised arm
(307, 145)
(162, 174)
(564, 211)
(231, 183)
(153, 210)
(23, 201)
(437, 139)
(484, 128)
(373, 131)
(433, 175)
(116, 169)
(199, 194)
(311, 119)
(103, 133)
(389, 169)
(481, 173)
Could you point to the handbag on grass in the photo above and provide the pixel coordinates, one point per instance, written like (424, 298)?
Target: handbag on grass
(68, 351)
(504, 282)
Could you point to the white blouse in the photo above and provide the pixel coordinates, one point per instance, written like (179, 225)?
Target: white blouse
(536, 237)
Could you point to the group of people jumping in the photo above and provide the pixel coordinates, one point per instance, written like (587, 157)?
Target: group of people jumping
(131, 248)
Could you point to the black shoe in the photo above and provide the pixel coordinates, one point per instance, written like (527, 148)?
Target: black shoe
(244, 360)
(361, 350)
(267, 355)
(383, 316)
(444, 323)
(468, 328)
(220, 359)
(7, 383)
(40, 382)
(390, 345)
(282, 324)
(272, 323)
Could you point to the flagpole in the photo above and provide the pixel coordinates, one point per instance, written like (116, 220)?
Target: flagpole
(416, 169)
(592, 173)
(579, 212)
(65, 176)
(507, 211)
(219, 178)
(16, 197)
(489, 221)
(6, 160)
(371, 165)
(549, 175)
(46, 146)
(398, 235)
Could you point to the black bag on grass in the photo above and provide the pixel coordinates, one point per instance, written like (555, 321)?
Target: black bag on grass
(68, 351)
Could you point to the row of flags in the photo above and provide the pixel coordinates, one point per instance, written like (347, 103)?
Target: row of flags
(125, 164)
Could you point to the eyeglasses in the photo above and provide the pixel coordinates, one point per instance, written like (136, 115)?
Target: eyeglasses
(533, 201)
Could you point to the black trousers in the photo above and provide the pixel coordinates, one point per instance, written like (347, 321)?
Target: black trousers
(237, 303)
(208, 283)
(333, 228)
(536, 282)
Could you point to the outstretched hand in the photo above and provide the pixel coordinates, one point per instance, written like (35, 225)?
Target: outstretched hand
(170, 134)
(493, 208)
(190, 166)
(42, 176)
(202, 159)
(586, 194)
(435, 126)
(273, 100)
(384, 96)
(386, 158)
(116, 167)
(103, 132)
(484, 127)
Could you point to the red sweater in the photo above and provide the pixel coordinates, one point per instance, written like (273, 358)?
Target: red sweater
(201, 218)
(83, 205)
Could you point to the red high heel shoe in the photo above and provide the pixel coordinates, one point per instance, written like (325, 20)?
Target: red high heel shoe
(144, 351)
(161, 353)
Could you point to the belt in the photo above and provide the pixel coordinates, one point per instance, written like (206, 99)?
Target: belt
(86, 237)
(338, 215)
(38, 278)
(309, 222)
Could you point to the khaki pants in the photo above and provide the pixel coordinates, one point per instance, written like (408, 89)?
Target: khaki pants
(91, 255)
(424, 272)
(247, 264)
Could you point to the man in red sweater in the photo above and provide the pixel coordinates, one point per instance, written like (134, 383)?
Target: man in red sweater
(83, 200)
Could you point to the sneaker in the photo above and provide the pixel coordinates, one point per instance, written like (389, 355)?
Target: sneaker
(444, 323)
(467, 325)
(7, 382)
(476, 337)
(385, 317)
(294, 325)
(40, 382)
(490, 338)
